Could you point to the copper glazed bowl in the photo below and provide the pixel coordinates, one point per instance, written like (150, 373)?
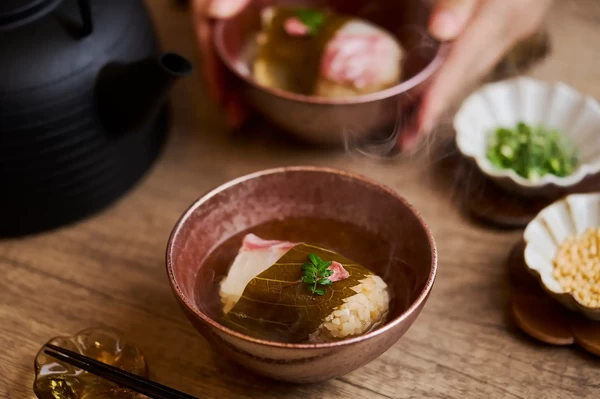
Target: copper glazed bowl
(332, 121)
(406, 260)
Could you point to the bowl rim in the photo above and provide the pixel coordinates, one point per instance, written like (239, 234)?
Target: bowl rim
(414, 306)
(584, 170)
(441, 55)
(561, 296)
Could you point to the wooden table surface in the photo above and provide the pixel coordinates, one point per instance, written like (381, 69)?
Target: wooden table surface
(109, 270)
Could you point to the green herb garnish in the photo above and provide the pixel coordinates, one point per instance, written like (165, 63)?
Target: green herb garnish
(532, 152)
(313, 19)
(315, 273)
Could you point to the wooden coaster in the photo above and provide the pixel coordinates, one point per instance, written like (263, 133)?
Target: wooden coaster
(542, 319)
(490, 204)
(540, 316)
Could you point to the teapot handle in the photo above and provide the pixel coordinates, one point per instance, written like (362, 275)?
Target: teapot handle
(85, 10)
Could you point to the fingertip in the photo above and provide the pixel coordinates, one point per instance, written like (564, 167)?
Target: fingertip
(450, 17)
(444, 25)
(223, 9)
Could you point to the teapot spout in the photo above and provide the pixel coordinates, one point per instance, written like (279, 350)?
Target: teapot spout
(129, 95)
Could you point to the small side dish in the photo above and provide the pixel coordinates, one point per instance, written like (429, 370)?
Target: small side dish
(297, 292)
(563, 251)
(317, 52)
(531, 138)
(532, 151)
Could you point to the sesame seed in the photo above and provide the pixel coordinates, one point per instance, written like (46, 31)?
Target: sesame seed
(577, 267)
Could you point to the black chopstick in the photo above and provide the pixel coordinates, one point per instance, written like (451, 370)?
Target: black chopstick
(128, 380)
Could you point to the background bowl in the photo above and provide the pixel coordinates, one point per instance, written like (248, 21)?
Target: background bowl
(554, 105)
(303, 192)
(331, 121)
(570, 216)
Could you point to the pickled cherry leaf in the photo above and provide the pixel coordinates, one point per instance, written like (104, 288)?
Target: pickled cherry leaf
(275, 305)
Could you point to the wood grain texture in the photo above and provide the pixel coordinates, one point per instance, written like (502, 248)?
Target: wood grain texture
(109, 270)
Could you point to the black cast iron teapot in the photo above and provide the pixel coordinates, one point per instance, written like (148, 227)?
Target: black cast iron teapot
(82, 107)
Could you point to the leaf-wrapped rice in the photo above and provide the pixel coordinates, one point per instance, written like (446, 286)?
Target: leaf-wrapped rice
(274, 304)
(321, 53)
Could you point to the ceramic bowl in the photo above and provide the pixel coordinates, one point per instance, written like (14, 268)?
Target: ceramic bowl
(554, 105)
(334, 121)
(570, 216)
(302, 192)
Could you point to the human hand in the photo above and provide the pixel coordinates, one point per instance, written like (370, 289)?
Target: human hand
(482, 31)
(204, 13)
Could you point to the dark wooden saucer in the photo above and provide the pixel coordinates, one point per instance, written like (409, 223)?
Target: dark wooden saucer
(540, 316)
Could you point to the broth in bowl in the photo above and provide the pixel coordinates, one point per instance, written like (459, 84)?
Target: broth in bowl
(273, 288)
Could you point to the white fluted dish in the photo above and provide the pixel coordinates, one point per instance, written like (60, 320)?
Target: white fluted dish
(570, 216)
(553, 105)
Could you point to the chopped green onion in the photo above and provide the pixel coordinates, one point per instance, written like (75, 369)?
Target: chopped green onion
(532, 152)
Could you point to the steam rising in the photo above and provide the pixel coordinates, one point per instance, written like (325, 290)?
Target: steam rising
(384, 145)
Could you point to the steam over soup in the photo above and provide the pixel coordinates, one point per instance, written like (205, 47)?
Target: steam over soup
(321, 53)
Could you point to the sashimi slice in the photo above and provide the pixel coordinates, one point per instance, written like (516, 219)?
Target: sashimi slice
(360, 58)
(255, 256)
